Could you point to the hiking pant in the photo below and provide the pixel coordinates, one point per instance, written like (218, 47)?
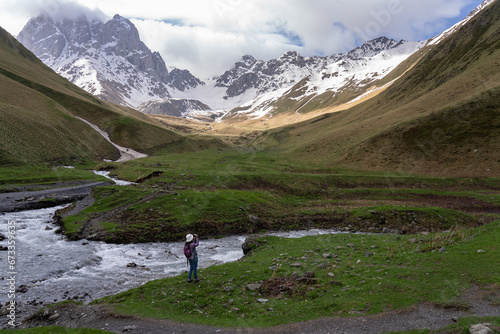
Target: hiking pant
(193, 267)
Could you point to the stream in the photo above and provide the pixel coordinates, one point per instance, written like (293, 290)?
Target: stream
(50, 268)
(47, 268)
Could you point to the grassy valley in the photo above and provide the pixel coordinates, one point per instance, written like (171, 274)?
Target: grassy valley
(451, 93)
(38, 108)
(415, 168)
(223, 192)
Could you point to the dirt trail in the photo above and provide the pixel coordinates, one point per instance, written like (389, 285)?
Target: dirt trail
(126, 153)
(423, 316)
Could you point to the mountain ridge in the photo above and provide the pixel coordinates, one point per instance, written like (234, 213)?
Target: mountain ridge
(110, 61)
(39, 110)
(107, 59)
(439, 118)
(251, 89)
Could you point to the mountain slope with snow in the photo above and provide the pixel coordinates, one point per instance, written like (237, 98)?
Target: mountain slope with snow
(352, 73)
(437, 39)
(256, 88)
(107, 59)
(110, 61)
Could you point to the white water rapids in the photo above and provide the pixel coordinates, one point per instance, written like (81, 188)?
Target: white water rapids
(54, 269)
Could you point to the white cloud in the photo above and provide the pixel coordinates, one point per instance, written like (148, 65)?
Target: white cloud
(207, 52)
(208, 36)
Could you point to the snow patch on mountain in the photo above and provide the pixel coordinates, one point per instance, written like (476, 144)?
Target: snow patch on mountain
(356, 71)
(107, 59)
(437, 39)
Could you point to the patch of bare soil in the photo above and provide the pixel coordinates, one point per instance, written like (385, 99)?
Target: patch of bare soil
(458, 203)
(481, 302)
(464, 204)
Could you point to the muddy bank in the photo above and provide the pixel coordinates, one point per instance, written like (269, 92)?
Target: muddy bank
(149, 226)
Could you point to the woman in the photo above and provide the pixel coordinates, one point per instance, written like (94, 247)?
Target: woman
(192, 242)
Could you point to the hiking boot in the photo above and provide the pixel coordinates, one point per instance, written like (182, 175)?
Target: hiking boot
(196, 280)
(190, 280)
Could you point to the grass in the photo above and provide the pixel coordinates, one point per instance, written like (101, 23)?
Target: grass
(217, 192)
(354, 274)
(34, 129)
(25, 174)
(411, 127)
(461, 327)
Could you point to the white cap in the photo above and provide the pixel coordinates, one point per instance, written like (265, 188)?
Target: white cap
(189, 237)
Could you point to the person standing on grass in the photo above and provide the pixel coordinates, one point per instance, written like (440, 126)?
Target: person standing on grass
(192, 242)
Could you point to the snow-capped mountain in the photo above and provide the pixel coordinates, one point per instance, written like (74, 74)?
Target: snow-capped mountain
(173, 107)
(351, 74)
(110, 61)
(266, 76)
(255, 87)
(107, 59)
(258, 88)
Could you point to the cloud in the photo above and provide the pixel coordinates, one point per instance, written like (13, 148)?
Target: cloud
(208, 36)
(216, 33)
(206, 52)
(17, 12)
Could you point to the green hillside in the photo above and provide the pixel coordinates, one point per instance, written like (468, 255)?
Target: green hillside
(34, 128)
(440, 118)
(37, 109)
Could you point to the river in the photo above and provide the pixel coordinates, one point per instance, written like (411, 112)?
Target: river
(50, 268)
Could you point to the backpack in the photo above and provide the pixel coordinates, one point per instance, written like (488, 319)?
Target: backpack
(187, 250)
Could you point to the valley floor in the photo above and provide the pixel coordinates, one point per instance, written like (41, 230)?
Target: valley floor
(430, 225)
(423, 316)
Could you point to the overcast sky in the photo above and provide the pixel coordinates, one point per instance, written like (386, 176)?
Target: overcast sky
(208, 36)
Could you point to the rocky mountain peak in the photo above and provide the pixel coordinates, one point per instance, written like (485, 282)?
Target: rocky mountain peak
(248, 59)
(375, 46)
(107, 59)
(123, 31)
(290, 55)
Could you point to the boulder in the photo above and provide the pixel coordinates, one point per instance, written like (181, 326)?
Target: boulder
(254, 219)
(129, 328)
(309, 274)
(481, 329)
(253, 287)
(306, 280)
(54, 316)
(250, 244)
(22, 289)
